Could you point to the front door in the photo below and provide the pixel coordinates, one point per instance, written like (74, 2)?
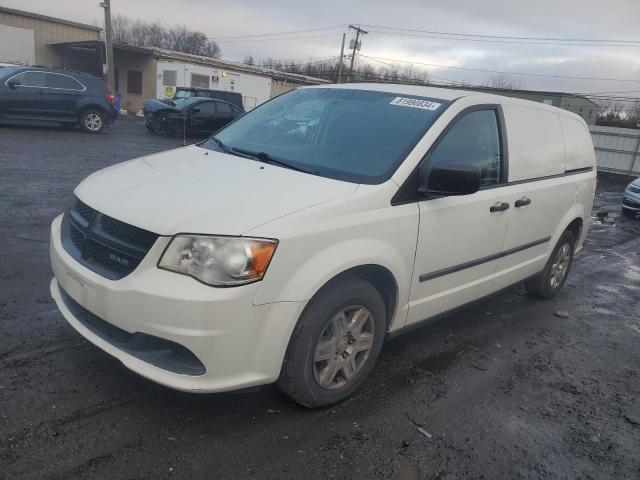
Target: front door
(201, 118)
(23, 98)
(461, 237)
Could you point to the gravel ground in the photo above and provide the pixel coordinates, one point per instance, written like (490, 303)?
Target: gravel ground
(505, 390)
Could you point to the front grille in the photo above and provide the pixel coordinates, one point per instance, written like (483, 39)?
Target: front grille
(107, 246)
(84, 210)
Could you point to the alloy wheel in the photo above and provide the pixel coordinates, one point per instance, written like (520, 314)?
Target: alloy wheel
(93, 122)
(343, 347)
(560, 266)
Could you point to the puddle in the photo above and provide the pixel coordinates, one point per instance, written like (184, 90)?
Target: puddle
(438, 363)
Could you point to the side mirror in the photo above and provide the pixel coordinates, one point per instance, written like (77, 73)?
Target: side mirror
(195, 110)
(13, 84)
(449, 178)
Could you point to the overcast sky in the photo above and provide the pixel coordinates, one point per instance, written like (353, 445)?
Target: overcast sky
(590, 19)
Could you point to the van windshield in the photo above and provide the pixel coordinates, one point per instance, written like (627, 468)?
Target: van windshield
(358, 136)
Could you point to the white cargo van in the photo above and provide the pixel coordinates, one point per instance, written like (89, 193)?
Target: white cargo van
(288, 246)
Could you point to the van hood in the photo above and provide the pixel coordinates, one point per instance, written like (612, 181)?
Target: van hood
(195, 190)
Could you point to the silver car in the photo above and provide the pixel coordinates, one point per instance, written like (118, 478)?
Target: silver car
(631, 199)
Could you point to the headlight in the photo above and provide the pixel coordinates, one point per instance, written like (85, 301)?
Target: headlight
(219, 261)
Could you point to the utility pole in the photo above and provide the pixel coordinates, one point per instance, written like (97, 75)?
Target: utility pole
(341, 57)
(108, 42)
(355, 46)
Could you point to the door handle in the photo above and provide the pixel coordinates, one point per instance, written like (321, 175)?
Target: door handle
(522, 202)
(499, 207)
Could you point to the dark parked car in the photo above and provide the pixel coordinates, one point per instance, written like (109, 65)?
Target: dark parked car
(67, 97)
(187, 92)
(193, 116)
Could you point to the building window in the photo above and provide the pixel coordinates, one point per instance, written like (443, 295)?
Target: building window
(199, 81)
(134, 81)
(170, 77)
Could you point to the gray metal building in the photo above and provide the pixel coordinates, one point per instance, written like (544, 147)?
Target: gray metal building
(578, 104)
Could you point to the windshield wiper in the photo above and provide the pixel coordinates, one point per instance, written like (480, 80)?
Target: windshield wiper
(266, 158)
(222, 146)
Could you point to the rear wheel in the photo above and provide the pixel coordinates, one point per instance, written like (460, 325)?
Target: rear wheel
(335, 343)
(92, 121)
(549, 281)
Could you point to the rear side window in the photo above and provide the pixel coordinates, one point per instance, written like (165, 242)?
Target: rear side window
(474, 140)
(223, 108)
(207, 108)
(53, 80)
(31, 79)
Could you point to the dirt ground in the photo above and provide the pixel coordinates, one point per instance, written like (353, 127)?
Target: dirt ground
(505, 390)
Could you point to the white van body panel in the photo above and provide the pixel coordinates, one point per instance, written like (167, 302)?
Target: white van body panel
(552, 147)
(319, 243)
(536, 143)
(579, 150)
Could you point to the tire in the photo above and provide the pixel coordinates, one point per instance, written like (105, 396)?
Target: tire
(629, 213)
(550, 280)
(92, 121)
(303, 374)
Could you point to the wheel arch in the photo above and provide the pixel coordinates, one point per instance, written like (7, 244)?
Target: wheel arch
(573, 221)
(377, 261)
(90, 106)
(380, 277)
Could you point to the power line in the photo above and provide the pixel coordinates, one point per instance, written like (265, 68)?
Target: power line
(519, 42)
(275, 38)
(504, 72)
(274, 34)
(507, 37)
(452, 82)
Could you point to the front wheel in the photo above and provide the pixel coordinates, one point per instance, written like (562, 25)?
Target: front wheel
(550, 280)
(92, 121)
(335, 343)
(629, 213)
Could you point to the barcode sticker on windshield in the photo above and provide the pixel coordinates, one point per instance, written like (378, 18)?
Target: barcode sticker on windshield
(415, 103)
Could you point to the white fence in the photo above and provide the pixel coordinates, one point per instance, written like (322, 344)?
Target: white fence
(617, 149)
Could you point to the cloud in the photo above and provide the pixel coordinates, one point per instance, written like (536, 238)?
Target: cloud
(543, 18)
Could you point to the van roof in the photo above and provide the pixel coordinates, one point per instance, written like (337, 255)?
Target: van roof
(445, 94)
(434, 92)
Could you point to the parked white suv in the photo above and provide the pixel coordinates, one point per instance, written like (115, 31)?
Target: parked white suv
(289, 245)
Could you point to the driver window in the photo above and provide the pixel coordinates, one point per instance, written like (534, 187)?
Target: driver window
(207, 108)
(474, 140)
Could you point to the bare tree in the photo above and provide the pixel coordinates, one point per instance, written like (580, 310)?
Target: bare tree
(504, 82)
(121, 27)
(140, 33)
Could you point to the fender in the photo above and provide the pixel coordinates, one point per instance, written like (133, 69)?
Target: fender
(310, 276)
(576, 211)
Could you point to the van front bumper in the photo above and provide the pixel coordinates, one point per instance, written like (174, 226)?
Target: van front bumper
(172, 329)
